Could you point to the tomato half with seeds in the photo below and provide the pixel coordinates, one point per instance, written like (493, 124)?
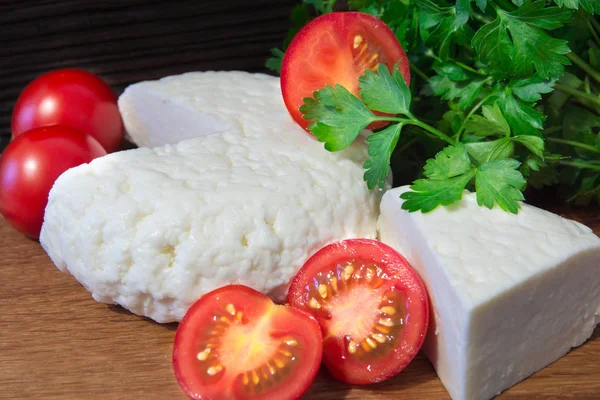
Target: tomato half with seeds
(337, 48)
(372, 307)
(235, 343)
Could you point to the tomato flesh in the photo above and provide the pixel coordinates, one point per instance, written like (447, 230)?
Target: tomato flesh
(337, 48)
(30, 165)
(235, 343)
(74, 98)
(371, 305)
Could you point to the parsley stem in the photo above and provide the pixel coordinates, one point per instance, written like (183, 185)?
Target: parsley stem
(584, 66)
(466, 67)
(579, 164)
(430, 54)
(417, 71)
(552, 129)
(408, 144)
(577, 93)
(593, 31)
(476, 107)
(575, 144)
(412, 120)
(595, 23)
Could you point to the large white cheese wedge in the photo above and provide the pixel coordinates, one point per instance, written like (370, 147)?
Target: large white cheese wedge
(154, 229)
(193, 104)
(510, 293)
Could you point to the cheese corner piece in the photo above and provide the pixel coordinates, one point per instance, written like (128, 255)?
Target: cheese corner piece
(511, 293)
(185, 106)
(154, 229)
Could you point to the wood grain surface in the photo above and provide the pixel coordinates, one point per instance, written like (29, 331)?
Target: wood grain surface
(56, 342)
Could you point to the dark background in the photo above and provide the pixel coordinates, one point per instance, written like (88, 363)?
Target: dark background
(126, 41)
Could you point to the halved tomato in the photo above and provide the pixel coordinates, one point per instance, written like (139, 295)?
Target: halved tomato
(372, 307)
(337, 48)
(235, 343)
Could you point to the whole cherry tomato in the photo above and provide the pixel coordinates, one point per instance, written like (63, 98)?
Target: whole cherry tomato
(30, 165)
(74, 98)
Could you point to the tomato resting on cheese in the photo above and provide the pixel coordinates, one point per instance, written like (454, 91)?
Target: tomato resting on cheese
(235, 343)
(372, 307)
(337, 48)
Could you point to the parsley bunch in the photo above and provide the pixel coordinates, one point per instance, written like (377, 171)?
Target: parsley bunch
(506, 96)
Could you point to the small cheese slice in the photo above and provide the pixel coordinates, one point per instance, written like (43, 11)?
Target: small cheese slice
(185, 106)
(510, 293)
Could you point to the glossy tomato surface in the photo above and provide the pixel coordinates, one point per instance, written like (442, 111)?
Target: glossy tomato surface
(235, 343)
(74, 98)
(372, 307)
(337, 48)
(30, 165)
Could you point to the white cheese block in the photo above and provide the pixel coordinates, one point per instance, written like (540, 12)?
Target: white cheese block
(154, 229)
(510, 293)
(194, 104)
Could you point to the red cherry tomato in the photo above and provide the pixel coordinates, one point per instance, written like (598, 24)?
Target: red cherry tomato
(74, 98)
(235, 343)
(371, 305)
(30, 165)
(337, 48)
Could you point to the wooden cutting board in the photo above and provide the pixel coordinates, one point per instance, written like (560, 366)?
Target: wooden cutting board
(56, 342)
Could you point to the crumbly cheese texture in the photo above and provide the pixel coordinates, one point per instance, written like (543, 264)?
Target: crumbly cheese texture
(154, 229)
(171, 109)
(511, 293)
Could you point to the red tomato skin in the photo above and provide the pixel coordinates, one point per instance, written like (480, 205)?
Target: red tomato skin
(396, 264)
(29, 166)
(251, 298)
(340, 24)
(74, 98)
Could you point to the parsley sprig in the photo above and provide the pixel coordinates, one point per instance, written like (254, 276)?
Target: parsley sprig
(513, 84)
(340, 117)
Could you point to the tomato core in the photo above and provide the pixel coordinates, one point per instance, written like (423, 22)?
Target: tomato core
(236, 343)
(371, 305)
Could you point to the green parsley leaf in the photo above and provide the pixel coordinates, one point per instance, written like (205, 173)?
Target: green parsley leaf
(322, 6)
(448, 175)
(381, 146)
(492, 123)
(545, 175)
(483, 152)
(531, 89)
(384, 92)
(527, 47)
(448, 163)
(589, 188)
(482, 4)
(426, 194)
(340, 116)
(500, 182)
(441, 25)
(591, 6)
(537, 14)
(535, 144)
(578, 126)
(454, 83)
(274, 63)
(522, 117)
